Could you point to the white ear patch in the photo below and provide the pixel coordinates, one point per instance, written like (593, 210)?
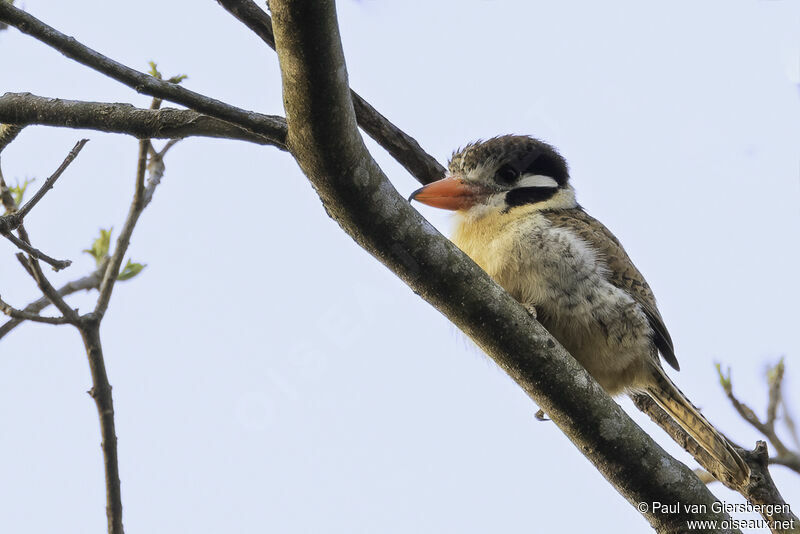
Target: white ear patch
(536, 180)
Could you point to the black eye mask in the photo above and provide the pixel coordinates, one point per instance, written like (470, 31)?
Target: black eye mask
(529, 195)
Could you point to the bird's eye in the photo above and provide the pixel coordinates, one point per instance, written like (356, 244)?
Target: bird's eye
(506, 175)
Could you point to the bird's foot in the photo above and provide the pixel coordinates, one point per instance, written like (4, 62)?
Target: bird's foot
(531, 310)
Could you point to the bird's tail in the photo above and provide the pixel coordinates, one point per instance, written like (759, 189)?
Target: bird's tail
(728, 462)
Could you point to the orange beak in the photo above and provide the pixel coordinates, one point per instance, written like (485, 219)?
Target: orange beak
(451, 193)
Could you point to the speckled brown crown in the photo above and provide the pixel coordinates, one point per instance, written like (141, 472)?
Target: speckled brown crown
(499, 150)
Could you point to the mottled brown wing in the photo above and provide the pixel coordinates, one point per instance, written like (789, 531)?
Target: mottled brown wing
(623, 274)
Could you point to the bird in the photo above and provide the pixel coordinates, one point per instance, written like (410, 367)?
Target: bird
(517, 217)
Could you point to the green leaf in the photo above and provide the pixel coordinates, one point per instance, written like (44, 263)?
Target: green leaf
(153, 70)
(724, 378)
(100, 246)
(177, 79)
(776, 372)
(18, 191)
(130, 270)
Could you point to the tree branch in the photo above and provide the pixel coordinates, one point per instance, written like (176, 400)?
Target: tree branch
(20, 214)
(400, 145)
(12, 220)
(22, 315)
(785, 456)
(30, 262)
(142, 196)
(89, 327)
(760, 490)
(34, 252)
(8, 132)
(91, 281)
(35, 270)
(90, 323)
(24, 109)
(265, 125)
(324, 139)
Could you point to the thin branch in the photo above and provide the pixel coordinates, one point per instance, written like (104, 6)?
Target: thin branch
(791, 461)
(44, 284)
(774, 381)
(400, 145)
(91, 281)
(325, 141)
(30, 263)
(137, 205)
(101, 393)
(23, 261)
(50, 182)
(27, 109)
(25, 316)
(8, 132)
(141, 198)
(760, 490)
(142, 83)
(90, 326)
(57, 265)
(787, 457)
(14, 217)
(789, 422)
(155, 169)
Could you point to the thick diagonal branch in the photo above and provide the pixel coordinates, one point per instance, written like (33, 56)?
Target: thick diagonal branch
(325, 141)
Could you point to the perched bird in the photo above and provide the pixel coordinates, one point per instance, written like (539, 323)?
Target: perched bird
(518, 219)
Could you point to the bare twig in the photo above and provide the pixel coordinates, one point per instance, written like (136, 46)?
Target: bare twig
(784, 455)
(23, 261)
(400, 145)
(141, 198)
(30, 262)
(44, 284)
(36, 253)
(12, 220)
(90, 325)
(155, 168)
(101, 393)
(26, 316)
(91, 281)
(760, 490)
(48, 184)
(27, 109)
(789, 422)
(142, 83)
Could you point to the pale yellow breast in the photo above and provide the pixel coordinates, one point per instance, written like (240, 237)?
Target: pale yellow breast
(492, 241)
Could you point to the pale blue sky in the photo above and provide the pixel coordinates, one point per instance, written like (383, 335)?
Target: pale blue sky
(270, 376)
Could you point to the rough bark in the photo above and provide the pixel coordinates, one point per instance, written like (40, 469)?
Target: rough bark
(324, 139)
